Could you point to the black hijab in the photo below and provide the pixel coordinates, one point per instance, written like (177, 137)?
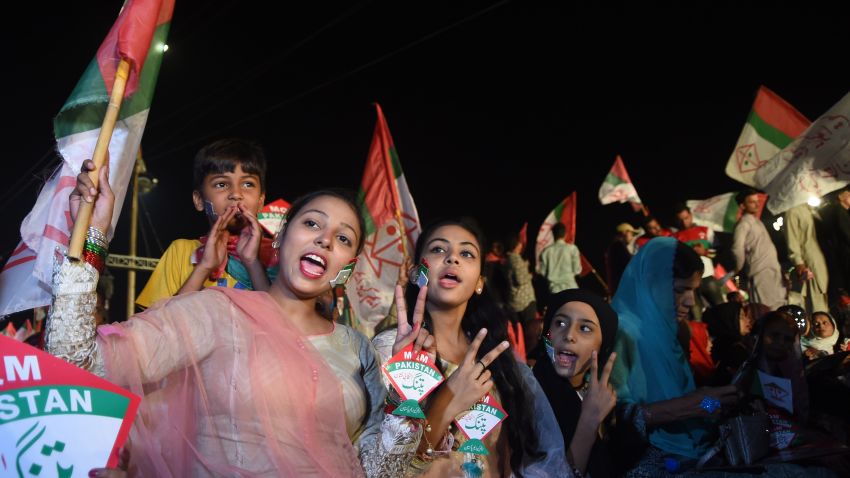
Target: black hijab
(564, 401)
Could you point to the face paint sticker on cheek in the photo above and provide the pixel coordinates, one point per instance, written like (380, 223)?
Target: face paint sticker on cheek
(344, 274)
(422, 274)
(550, 350)
(210, 210)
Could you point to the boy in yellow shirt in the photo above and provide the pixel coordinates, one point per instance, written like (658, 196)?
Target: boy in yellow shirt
(229, 187)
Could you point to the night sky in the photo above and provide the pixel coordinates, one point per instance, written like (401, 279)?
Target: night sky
(498, 110)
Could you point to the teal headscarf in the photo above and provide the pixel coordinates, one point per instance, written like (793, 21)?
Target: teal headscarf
(651, 366)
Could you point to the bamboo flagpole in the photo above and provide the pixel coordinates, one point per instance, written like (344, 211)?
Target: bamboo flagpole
(101, 151)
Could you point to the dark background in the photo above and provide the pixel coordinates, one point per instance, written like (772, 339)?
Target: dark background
(498, 110)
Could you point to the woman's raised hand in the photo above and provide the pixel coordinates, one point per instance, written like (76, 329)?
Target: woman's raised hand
(601, 397)
(407, 333)
(472, 379)
(102, 196)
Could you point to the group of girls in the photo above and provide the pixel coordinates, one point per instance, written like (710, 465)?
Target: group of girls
(245, 383)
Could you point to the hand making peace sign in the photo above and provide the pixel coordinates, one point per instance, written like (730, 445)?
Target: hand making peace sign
(472, 379)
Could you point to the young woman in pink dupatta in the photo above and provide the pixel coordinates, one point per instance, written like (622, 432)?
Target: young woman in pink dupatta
(239, 383)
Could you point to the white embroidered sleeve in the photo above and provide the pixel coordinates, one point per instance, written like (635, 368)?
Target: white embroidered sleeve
(70, 331)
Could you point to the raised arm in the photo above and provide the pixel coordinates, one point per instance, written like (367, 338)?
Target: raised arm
(70, 330)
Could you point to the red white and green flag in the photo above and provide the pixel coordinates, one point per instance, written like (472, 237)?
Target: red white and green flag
(565, 213)
(815, 163)
(721, 212)
(138, 35)
(772, 125)
(392, 226)
(617, 186)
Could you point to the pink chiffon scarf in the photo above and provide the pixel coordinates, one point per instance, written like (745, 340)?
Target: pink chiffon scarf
(230, 388)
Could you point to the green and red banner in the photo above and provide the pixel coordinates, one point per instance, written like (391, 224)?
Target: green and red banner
(771, 125)
(617, 186)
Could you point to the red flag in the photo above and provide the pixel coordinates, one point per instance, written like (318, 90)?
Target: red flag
(130, 38)
(392, 226)
(380, 193)
(523, 235)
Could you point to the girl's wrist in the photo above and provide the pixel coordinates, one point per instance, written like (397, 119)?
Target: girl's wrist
(588, 419)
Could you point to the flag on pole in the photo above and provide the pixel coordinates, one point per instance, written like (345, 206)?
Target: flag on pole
(565, 213)
(392, 226)
(138, 35)
(720, 213)
(815, 163)
(772, 125)
(617, 186)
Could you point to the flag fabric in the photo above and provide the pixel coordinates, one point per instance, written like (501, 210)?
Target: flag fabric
(694, 235)
(138, 36)
(720, 213)
(617, 186)
(815, 163)
(565, 213)
(771, 125)
(392, 226)
(523, 235)
(721, 275)
(19, 288)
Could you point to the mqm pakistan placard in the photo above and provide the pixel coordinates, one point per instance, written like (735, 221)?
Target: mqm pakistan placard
(57, 420)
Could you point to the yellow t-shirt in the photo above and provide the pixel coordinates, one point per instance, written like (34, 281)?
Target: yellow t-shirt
(174, 268)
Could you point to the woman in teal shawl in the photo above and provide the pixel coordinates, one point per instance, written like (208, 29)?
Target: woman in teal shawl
(656, 396)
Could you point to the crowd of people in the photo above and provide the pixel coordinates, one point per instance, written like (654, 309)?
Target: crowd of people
(245, 369)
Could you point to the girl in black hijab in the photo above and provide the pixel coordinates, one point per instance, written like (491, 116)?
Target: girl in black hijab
(729, 327)
(579, 330)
